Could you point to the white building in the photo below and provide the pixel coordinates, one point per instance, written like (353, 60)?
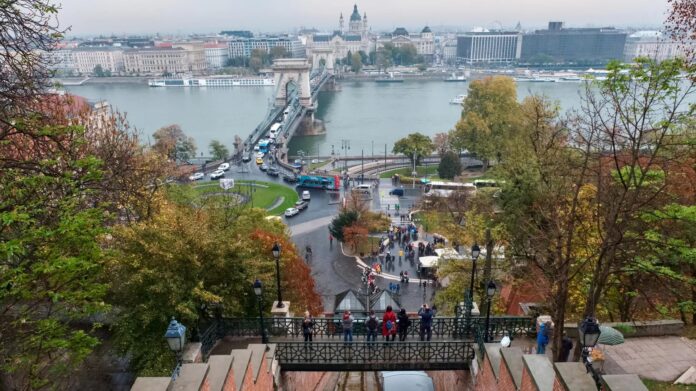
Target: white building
(651, 44)
(482, 46)
(242, 47)
(157, 61)
(423, 41)
(86, 59)
(449, 50)
(216, 55)
(342, 41)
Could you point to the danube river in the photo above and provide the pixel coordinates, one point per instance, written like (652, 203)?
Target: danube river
(369, 115)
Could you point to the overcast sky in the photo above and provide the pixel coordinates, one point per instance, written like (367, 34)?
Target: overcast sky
(183, 16)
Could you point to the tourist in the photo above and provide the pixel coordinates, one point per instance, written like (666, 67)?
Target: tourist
(402, 323)
(389, 324)
(372, 323)
(307, 326)
(543, 337)
(426, 323)
(347, 324)
(566, 347)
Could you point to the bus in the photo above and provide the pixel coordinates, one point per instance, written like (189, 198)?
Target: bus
(445, 189)
(479, 183)
(319, 182)
(264, 145)
(275, 128)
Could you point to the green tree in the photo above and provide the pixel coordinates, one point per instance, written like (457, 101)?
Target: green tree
(415, 145)
(345, 218)
(450, 166)
(364, 57)
(172, 142)
(422, 67)
(278, 52)
(218, 150)
(488, 118)
(98, 71)
(384, 57)
(405, 54)
(356, 63)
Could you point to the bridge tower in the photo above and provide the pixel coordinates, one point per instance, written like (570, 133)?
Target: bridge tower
(292, 70)
(325, 54)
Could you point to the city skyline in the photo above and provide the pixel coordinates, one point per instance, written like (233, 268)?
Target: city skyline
(169, 17)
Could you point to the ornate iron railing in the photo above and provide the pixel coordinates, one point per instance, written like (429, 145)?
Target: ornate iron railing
(358, 356)
(442, 327)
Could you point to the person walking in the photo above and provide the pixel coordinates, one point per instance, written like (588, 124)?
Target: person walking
(543, 337)
(389, 324)
(566, 347)
(426, 324)
(347, 323)
(330, 241)
(371, 324)
(402, 322)
(307, 327)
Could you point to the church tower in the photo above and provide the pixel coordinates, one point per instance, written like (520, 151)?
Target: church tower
(355, 24)
(365, 28)
(340, 23)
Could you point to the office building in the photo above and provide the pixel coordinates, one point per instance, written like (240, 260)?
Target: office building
(158, 61)
(482, 46)
(242, 47)
(86, 59)
(583, 46)
(216, 55)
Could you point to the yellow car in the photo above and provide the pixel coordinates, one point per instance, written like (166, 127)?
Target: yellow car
(259, 160)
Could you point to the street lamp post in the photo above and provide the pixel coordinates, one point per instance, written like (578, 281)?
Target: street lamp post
(276, 255)
(589, 332)
(176, 339)
(414, 173)
(469, 295)
(490, 291)
(258, 291)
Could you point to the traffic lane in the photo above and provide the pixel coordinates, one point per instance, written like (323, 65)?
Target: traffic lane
(321, 204)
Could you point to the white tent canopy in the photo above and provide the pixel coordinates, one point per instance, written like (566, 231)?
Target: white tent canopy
(429, 261)
(449, 253)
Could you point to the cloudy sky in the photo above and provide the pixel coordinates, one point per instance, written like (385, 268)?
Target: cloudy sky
(182, 16)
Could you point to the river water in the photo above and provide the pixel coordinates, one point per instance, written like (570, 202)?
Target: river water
(369, 115)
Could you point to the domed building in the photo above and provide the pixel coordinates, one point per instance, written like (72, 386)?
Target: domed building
(423, 41)
(342, 41)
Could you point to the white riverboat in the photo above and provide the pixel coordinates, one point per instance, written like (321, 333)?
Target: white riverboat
(212, 82)
(458, 100)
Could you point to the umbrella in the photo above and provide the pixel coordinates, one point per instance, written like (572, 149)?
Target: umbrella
(610, 336)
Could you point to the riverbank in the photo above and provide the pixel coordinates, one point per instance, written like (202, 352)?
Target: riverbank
(81, 81)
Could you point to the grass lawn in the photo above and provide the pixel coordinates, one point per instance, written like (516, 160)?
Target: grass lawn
(264, 194)
(654, 385)
(406, 172)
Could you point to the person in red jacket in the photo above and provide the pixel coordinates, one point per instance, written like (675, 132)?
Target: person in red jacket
(389, 324)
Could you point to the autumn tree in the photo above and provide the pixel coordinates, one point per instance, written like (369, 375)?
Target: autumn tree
(354, 234)
(172, 142)
(681, 24)
(488, 118)
(441, 142)
(414, 146)
(356, 63)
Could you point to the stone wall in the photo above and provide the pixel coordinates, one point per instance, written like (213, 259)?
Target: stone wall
(651, 328)
(450, 380)
(300, 381)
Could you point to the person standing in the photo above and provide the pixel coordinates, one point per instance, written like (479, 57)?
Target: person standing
(389, 324)
(566, 347)
(543, 337)
(402, 322)
(307, 327)
(347, 323)
(426, 324)
(330, 241)
(371, 324)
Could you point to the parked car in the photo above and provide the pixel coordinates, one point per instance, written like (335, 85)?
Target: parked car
(260, 155)
(246, 158)
(314, 161)
(224, 167)
(397, 192)
(289, 212)
(301, 205)
(197, 176)
(290, 178)
(273, 171)
(217, 174)
(306, 196)
(259, 160)
(263, 167)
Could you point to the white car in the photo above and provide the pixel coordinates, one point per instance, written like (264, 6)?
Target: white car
(197, 176)
(224, 167)
(289, 212)
(217, 174)
(305, 195)
(260, 155)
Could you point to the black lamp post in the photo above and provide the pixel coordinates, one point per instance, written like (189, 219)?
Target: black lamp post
(258, 291)
(588, 332)
(276, 255)
(176, 339)
(469, 296)
(490, 292)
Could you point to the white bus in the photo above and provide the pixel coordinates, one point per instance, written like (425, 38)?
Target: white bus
(444, 189)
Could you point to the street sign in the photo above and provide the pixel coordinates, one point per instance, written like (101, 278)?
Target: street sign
(226, 183)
